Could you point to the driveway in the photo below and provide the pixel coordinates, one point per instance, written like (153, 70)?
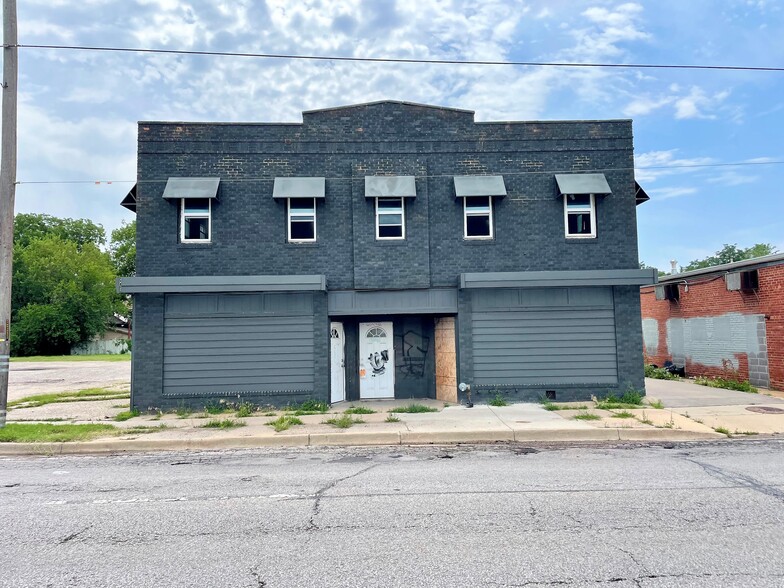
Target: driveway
(28, 378)
(682, 394)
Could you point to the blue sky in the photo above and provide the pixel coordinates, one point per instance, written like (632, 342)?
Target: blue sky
(78, 110)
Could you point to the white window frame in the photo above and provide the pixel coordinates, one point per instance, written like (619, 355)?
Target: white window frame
(582, 209)
(466, 214)
(207, 215)
(296, 214)
(392, 211)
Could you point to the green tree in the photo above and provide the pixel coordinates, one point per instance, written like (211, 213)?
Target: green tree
(122, 249)
(730, 253)
(63, 294)
(30, 227)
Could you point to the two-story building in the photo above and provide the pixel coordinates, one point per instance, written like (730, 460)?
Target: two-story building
(385, 250)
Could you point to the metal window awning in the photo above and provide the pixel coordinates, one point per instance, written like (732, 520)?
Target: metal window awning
(177, 188)
(479, 186)
(129, 201)
(582, 184)
(299, 188)
(391, 186)
(640, 195)
(559, 278)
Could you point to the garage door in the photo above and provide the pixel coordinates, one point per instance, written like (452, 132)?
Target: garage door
(544, 336)
(226, 344)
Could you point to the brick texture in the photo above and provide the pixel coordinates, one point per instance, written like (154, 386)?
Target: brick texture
(708, 298)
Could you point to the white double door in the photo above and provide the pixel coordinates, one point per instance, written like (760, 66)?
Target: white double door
(376, 360)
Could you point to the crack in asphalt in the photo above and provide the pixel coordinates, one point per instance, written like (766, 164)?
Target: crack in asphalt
(736, 479)
(312, 526)
(73, 536)
(635, 579)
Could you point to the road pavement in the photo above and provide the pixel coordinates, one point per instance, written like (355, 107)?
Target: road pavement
(28, 378)
(676, 515)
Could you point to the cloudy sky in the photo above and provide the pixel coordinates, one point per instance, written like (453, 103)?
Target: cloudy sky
(78, 110)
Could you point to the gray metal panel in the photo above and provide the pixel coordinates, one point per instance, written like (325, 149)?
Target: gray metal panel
(397, 186)
(582, 184)
(733, 281)
(479, 186)
(288, 283)
(432, 301)
(629, 277)
(220, 305)
(528, 337)
(298, 188)
(224, 355)
(191, 188)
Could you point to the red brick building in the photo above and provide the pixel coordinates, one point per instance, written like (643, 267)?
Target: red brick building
(724, 317)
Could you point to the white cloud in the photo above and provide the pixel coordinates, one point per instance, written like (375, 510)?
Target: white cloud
(672, 192)
(732, 178)
(655, 164)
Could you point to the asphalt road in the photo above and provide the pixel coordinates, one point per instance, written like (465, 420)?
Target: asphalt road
(684, 515)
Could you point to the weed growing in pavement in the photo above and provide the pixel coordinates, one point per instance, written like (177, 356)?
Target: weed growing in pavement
(656, 404)
(547, 405)
(270, 413)
(644, 419)
(359, 410)
(284, 422)
(344, 421)
(737, 432)
(630, 399)
(58, 397)
(392, 419)
(126, 415)
(245, 409)
(728, 384)
(183, 411)
(307, 407)
(498, 400)
(222, 424)
(218, 407)
(414, 408)
(586, 416)
(722, 430)
(624, 414)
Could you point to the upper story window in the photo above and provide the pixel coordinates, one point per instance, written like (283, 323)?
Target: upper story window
(580, 216)
(195, 220)
(478, 217)
(390, 218)
(302, 220)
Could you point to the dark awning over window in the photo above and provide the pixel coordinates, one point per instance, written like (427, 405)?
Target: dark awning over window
(582, 184)
(177, 188)
(298, 188)
(129, 201)
(479, 186)
(391, 186)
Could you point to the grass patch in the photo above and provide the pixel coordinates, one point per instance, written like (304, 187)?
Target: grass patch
(48, 433)
(630, 399)
(79, 396)
(413, 409)
(126, 415)
(624, 414)
(245, 409)
(222, 424)
(547, 405)
(586, 416)
(656, 404)
(284, 422)
(737, 432)
(359, 410)
(99, 357)
(344, 421)
(722, 430)
(307, 407)
(392, 419)
(498, 400)
(644, 419)
(726, 383)
(270, 413)
(659, 373)
(218, 407)
(183, 412)
(140, 429)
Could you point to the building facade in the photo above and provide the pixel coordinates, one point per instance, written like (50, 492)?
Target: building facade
(720, 319)
(384, 250)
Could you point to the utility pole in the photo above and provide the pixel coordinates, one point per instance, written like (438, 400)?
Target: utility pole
(7, 193)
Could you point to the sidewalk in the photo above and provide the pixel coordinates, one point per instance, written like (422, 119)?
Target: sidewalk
(697, 413)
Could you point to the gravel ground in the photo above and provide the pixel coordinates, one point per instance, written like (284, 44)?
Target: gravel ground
(31, 378)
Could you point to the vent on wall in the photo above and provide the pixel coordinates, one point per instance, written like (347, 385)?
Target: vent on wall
(747, 281)
(667, 292)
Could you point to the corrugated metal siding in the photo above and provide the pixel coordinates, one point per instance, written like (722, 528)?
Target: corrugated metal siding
(548, 336)
(225, 344)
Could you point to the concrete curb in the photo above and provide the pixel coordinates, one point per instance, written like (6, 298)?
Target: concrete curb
(349, 439)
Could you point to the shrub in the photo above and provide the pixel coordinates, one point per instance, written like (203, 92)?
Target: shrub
(657, 373)
(498, 400)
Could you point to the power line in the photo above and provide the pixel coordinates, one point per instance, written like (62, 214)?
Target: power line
(521, 173)
(403, 60)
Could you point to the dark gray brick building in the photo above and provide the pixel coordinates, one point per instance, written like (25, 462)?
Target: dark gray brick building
(385, 249)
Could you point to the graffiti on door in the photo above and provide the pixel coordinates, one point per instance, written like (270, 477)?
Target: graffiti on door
(378, 361)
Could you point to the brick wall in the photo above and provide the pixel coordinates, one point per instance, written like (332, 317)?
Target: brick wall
(710, 326)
